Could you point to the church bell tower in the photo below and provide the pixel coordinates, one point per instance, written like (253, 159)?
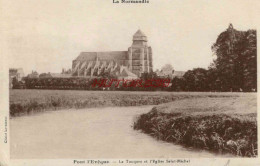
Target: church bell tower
(140, 55)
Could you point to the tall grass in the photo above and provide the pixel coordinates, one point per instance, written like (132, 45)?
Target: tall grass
(217, 132)
(24, 102)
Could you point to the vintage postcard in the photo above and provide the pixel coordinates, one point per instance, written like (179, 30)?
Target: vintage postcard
(129, 82)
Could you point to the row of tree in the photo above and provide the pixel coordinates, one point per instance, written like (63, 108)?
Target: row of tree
(146, 83)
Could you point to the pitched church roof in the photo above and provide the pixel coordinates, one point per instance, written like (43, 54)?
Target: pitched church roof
(108, 55)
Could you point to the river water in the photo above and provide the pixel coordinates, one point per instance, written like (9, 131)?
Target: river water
(89, 133)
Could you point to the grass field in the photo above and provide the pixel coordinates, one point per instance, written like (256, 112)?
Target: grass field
(217, 123)
(27, 101)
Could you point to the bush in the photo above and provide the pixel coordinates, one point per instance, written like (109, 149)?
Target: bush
(220, 133)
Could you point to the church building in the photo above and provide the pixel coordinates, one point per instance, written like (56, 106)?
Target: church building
(131, 63)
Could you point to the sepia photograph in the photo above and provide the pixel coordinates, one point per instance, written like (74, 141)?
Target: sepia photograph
(96, 81)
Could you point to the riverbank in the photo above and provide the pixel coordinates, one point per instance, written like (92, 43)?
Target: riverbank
(224, 124)
(25, 101)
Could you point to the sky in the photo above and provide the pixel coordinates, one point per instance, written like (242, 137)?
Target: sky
(46, 35)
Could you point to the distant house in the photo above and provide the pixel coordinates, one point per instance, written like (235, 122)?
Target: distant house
(164, 74)
(15, 73)
(34, 74)
(169, 74)
(64, 71)
(178, 74)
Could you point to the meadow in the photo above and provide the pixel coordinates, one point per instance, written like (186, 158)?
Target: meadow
(25, 101)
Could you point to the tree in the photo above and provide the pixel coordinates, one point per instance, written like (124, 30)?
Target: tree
(178, 84)
(236, 59)
(196, 80)
(15, 83)
(212, 79)
(250, 62)
(146, 76)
